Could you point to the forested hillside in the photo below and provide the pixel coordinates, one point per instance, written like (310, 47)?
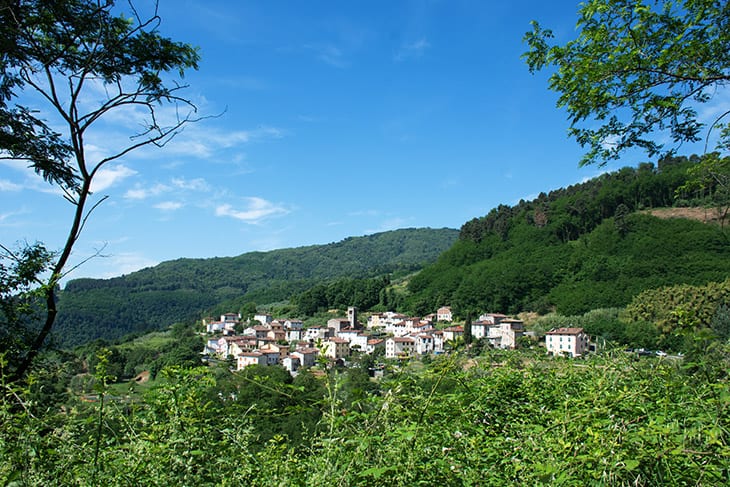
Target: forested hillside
(579, 248)
(183, 289)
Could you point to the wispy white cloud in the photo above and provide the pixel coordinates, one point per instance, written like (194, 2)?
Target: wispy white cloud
(390, 224)
(9, 186)
(257, 209)
(27, 179)
(169, 205)
(205, 142)
(4, 217)
(203, 139)
(329, 54)
(197, 184)
(140, 192)
(414, 49)
(364, 213)
(110, 175)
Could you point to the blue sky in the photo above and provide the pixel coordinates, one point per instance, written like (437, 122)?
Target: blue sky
(340, 119)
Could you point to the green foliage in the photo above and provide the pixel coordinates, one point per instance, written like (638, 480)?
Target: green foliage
(607, 327)
(54, 55)
(720, 323)
(637, 73)
(504, 419)
(710, 180)
(340, 294)
(184, 289)
(575, 256)
(680, 308)
(20, 298)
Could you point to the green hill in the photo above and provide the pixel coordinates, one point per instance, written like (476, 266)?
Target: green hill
(588, 246)
(183, 289)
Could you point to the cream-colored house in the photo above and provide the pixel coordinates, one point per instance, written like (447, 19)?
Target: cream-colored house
(250, 358)
(335, 348)
(572, 342)
(505, 333)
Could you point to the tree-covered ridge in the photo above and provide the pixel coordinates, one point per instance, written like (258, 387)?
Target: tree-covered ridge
(578, 248)
(183, 289)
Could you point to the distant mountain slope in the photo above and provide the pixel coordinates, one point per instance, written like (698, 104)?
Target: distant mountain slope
(156, 297)
(587, 246)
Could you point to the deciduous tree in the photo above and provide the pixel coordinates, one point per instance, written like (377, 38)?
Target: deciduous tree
(61, 52)
(638, 73)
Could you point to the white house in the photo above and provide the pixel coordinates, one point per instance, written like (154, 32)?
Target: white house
(291, 363)
(307, 356)
(567, 341)
(444, 314)
(453, 332)
(232, 345)
(375, 319)
(480, 329)
(240, 345)
(214, 326)
(502, 334)
(337, 324)
(492, 318)
(250, 358)
(348, 334)
(293, 324)
(231, 318)
(355, 338)
(383, 320)
(293, 335)
(423, 326)
(399, 347)
(264, 319)
(315, 333)
(423, 343)
(397, 328)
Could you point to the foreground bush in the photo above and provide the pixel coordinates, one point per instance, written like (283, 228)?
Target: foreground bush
(497, 420)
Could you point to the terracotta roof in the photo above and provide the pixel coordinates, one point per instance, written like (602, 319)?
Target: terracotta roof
(306, 350)
(454, 328)
(250, 354)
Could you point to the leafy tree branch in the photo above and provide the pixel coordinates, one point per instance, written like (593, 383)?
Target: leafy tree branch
(63, 51)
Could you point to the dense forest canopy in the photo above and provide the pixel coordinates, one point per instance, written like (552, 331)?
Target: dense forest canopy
(185, 289)
(587, 246)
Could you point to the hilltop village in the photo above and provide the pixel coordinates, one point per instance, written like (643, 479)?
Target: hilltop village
(287, 342)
